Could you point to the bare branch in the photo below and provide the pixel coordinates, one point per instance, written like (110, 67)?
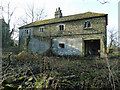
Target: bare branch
(10, 13)
(103, 1)
(33, 13)
(112, 37)
(30, 12)
(40, 14)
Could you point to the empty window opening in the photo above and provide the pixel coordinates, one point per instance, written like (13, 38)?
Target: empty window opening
(26, 31)
(85, 24)
(41, 29)
(62, 45)
(89, 24)
(61, 27)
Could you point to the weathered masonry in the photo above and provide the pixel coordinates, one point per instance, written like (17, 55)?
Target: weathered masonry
(81, 34)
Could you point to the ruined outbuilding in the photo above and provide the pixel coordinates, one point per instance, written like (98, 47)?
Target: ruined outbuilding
(80, 34)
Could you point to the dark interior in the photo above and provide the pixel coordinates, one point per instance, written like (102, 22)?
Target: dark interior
(92, 47)
(61, 45)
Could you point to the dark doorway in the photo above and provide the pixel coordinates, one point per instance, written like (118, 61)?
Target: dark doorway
(92, 47)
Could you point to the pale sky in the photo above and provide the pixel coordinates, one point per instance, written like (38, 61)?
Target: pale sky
(70, 7)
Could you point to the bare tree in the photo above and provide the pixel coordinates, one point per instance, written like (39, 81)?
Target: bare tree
(10, 13)
(33, 13)
(7, 14)
(40, 14)
(30, 12)
(113, 38)
(15, 31)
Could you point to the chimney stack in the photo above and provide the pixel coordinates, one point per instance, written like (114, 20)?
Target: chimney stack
(58, 13)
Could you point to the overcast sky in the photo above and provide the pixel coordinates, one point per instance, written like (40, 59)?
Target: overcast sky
(70, 7)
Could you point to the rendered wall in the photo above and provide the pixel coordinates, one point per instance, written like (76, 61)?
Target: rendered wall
(37, 46)
(72, 46)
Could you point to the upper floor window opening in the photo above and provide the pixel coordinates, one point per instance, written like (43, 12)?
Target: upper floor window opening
(87, 24)
(61, 27)
(41, 29)
(26, 31)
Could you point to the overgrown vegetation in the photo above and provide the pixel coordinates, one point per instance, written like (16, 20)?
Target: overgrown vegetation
(34, 71)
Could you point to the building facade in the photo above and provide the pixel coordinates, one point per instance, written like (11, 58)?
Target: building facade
(80, 34)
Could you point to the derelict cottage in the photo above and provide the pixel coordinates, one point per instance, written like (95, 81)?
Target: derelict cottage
(80, 34)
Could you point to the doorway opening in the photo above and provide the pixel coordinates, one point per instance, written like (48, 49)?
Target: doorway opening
(92, 47)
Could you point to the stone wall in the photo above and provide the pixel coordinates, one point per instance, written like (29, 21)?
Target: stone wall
(73, 27)
(72, 36)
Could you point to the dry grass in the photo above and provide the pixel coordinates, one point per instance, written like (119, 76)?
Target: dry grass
(90, 73)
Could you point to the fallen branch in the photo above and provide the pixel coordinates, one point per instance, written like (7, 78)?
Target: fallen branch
(9, 62)
(111, 76)
(31, 72)
(68, 77)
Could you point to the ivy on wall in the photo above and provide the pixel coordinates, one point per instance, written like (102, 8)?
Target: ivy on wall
(28, 40)
(105, 41)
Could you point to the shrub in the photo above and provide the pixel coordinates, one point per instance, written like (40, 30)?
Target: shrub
(24, 56)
